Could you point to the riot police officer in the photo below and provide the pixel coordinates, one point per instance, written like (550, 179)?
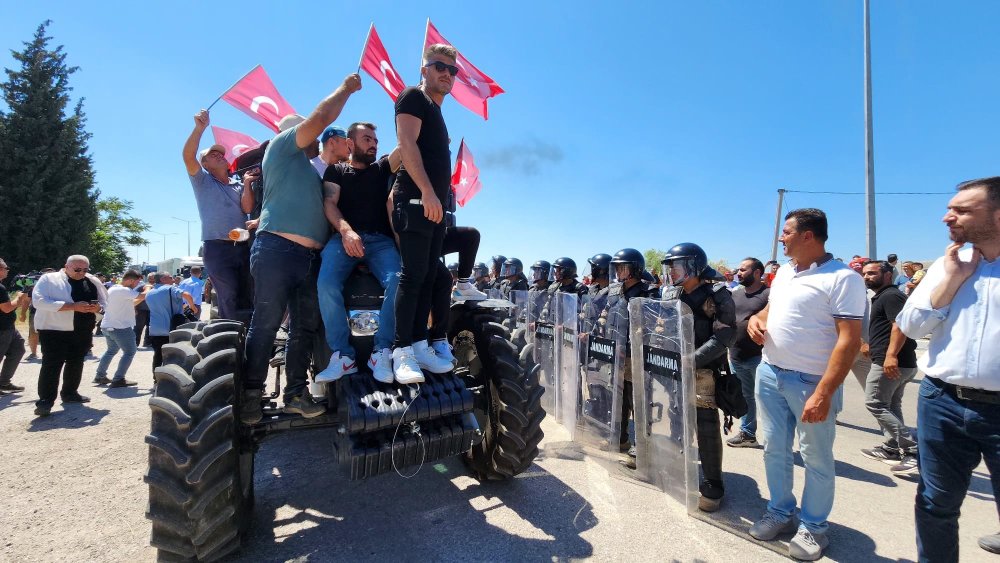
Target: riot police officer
(453, 270)
(539, 278)
(689, 278)
(513, 276)
(564, 272)
(496, 263)
(481, 276)
(600, 265)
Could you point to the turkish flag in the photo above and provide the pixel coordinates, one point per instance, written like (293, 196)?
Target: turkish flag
(236, 143)
(472, 87)
(375, 61)
(256, 96)
(465, 181)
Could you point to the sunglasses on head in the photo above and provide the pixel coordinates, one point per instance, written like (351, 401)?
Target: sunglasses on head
(78, 270)
(441, 67)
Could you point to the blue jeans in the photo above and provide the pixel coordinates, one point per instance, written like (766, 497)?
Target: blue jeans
(382, 259)
(118, 339)
(781, 396)
(746, 372)
(952, 436)
(284, 276)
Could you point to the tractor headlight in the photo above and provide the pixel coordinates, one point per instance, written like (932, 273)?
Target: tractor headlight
(363, 323)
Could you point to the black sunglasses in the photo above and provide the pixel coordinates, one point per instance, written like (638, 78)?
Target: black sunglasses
(441, 67)
(78, 270)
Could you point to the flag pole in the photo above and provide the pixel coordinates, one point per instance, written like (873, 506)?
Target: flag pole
(231, 87)
(424, 46)
(365, 48)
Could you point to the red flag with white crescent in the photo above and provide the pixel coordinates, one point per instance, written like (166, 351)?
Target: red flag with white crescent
(465, 180)
(236, 143)
(472, 86)
(256, 96)
(375, 61)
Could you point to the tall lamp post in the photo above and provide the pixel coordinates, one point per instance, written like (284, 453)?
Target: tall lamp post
(164, 235)
(188, 233)
(869, 146)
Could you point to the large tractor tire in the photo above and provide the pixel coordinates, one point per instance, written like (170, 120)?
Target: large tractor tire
(201, 460)
(508, 408)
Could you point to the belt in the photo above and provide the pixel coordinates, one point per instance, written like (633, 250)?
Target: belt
(973, 394)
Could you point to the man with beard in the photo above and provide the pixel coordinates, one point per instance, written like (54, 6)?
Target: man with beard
(959, 404)
(750, 297)
(894, 364)
(354, 201)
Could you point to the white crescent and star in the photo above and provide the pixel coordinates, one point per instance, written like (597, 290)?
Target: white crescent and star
(262, 100)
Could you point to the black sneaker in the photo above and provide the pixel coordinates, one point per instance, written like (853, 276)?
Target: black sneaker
(43, 410)
(908, 466)
(102, 381)
(78, 398)
(122, 383)
(250, 410)
(11, 388)
(883, 454)
(742, 440)
(304, 405)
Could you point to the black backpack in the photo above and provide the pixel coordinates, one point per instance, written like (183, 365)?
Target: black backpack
(729, 396)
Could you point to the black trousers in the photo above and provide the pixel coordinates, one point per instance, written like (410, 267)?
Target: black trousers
(464, 241)
(627, 411)
(157, 343)
(709, 444)
(62, 353)
(141, 323)
(420, 254)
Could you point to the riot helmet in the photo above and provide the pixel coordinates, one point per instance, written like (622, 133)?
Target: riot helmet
(685, 261)
(632, 258)
(480, 270)
(497, 263)
(540, 271)
(563, 269)
(453, 268)
(599, 265)
(511, 267)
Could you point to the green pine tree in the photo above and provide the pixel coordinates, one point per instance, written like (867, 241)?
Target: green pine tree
(46, 173)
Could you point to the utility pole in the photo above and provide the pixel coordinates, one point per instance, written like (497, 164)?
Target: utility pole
(164, 235)
(777, 225)
(188, 233)
(869, 146)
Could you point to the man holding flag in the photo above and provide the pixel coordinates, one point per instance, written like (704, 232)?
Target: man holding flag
(285, 257)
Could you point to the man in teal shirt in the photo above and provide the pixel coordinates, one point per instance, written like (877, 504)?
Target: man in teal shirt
(285, 257)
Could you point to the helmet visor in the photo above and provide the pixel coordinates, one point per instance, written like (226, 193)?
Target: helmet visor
(676, 272)
(507, 270)
(623, 271)
(538, 274)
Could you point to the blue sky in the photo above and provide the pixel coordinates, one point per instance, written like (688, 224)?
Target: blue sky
(624, 125)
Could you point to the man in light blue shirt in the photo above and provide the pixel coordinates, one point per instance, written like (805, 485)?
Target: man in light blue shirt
(959, 404)
(194, 285)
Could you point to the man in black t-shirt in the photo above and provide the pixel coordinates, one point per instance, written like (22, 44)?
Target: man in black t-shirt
(421, 185)
(894, 364)
(11, 342)
(750, 298)
(354, 200)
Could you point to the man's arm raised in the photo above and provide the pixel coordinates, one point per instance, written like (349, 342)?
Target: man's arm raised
(327, 110)
(190, 151)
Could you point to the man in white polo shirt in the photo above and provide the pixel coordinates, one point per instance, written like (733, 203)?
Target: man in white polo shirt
(959, 400)
(811, 333)
(118, 326)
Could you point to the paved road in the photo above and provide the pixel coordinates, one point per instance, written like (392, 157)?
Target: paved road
(75, 493)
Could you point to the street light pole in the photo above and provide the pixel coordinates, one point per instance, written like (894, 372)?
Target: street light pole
(777, 225)
(869, 146)
(164, 235)
(188, 232)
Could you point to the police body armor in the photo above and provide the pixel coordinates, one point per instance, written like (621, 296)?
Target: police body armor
(519, 284)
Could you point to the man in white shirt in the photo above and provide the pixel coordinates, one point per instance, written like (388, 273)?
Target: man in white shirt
(959, 399)
(118, 326)
(811, 333)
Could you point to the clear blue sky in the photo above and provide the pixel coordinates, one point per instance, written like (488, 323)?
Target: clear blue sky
(624, 124)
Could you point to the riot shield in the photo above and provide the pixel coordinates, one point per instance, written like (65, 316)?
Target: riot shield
(662, 342)
(494, 293)
(567, 319)
(542, 331)
(515, 319)
(599, 426)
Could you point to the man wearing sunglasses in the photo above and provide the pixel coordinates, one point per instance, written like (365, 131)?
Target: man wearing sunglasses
(421, 185)
(67, 303)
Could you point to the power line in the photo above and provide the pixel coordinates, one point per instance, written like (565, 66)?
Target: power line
(863, 193)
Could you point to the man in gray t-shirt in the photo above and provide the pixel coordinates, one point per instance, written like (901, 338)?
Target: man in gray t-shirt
(220, 211)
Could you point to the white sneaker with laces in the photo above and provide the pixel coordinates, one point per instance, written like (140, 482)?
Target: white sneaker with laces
(465, 291)
(806, 545)
(428, 360)
(339, 367)
(771, 525)
(380, 363)
(405, 367)
(443, 350)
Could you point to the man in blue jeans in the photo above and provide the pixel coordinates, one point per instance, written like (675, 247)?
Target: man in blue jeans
(355, 196)
(118, 326)
(959, 399)
(750, 297)
(811, 333)
(284, 260)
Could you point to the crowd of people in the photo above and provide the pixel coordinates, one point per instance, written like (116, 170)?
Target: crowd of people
(320, 201)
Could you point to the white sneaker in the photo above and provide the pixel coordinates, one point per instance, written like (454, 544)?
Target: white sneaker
(339, 367)
(318, 391)
(380, 363)
(428, 360)
(807, 546)
(405, 367)
(467, 292)
(443, 350)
